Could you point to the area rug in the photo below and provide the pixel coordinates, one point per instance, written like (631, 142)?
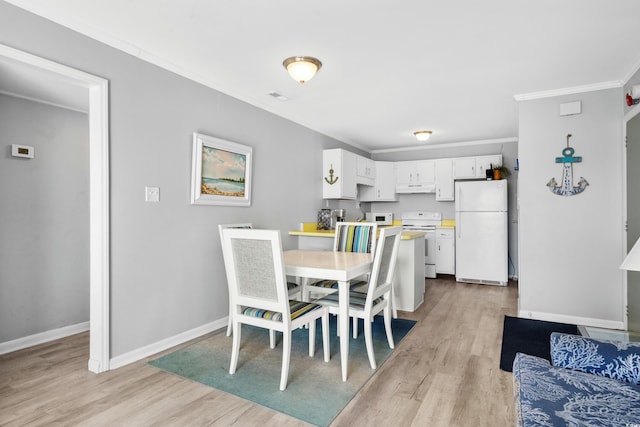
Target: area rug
(528, 336)
(315, 392)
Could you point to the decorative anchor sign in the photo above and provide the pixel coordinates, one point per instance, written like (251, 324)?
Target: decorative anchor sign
(567, 188)
(331, 180)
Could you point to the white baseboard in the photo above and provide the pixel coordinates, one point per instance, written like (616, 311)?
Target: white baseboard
(575, 320)
(157, 347)
(42, 337)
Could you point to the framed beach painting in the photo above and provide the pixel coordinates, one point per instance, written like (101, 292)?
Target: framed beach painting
(221, 172)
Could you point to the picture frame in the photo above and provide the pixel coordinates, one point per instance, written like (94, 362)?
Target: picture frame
(221, 172)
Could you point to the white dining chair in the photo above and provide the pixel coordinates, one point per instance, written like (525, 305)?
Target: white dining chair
(294, 289)
(378, 295)
(349, 237)
(256, 273)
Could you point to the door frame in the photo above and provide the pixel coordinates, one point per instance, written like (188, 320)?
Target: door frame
(99, 244)
(629, 115)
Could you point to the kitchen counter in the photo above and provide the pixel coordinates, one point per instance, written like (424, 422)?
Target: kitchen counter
(409, 275)
(448, 223)
(309, 229)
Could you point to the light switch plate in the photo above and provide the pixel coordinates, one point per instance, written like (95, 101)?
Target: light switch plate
(151, 194)
(22, 151)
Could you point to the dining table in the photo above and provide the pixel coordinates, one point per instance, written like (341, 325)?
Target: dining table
(331, 265)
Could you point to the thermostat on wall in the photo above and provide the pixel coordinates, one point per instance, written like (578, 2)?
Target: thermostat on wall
(22, 151)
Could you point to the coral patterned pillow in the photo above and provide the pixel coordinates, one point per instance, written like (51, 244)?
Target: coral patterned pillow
(612, 359)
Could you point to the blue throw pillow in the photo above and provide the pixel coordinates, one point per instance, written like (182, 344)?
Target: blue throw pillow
(612, 359)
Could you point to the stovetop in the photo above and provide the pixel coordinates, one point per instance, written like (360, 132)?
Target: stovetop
(421, 220)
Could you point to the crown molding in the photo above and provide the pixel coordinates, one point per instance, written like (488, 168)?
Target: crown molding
(569, 90)
(447, 145)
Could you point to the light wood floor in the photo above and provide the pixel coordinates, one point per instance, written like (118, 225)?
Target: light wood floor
(444, 373)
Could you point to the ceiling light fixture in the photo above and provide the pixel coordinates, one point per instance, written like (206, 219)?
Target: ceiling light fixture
(302, 68)
(422, 135)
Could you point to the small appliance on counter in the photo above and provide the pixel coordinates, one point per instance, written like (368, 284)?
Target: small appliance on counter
(337, 216)
(324, 219)
(327, 218)
(380, 218)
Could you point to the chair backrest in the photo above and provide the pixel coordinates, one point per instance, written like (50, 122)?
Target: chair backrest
(254, 263)
(355, 237)
(384, 262)
(239, 225)
(243, 225)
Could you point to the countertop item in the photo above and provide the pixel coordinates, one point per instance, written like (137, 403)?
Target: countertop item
(448, 223)
(310, 229)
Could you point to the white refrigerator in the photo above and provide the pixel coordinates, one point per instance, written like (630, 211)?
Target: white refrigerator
(481, 232)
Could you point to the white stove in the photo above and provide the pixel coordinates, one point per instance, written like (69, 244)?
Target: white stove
(425, 221)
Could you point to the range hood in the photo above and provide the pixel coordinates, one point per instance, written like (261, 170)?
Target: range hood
(416, 188)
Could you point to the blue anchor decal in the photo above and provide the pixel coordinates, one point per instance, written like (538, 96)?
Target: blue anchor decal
(567, 188)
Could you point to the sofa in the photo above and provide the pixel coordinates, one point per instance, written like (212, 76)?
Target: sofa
(589, 382)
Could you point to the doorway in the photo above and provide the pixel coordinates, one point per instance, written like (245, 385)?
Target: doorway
(97, 89)
(633, 219)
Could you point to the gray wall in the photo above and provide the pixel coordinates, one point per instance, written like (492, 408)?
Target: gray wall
(167, 275)
(427, 202)
(44, 219)
(571, 247)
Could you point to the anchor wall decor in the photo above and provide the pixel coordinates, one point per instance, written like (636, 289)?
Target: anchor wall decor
(567, 188)
(331, 180)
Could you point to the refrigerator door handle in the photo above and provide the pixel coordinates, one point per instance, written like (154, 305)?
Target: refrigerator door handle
(458, 225)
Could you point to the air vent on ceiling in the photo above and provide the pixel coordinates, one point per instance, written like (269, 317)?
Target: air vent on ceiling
(278, 96)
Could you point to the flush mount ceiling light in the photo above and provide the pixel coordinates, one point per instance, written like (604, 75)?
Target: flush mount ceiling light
(302, 68)
(422, 135)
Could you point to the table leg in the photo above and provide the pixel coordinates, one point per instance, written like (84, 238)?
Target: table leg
(343, 298)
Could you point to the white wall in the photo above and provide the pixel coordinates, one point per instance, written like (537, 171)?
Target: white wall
(44, 219)
(571, 247)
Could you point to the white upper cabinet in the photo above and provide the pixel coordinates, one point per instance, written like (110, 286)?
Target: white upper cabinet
(347, 175)
(444, 180)
(339, 174)
(464, 167)
(474, 167)
(384, 189)
(365, 170)
(415, 176)
(483, 163)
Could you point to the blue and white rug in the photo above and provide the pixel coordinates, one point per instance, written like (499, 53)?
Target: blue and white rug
(315, 392)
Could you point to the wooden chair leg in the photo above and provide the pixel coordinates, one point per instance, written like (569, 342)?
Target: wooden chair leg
(325, 337)
(235, 348)
(272, 339)
(230, 322)
(312, 338)
(387, 326)
(394, 306)
(369, 341)
(286, 356)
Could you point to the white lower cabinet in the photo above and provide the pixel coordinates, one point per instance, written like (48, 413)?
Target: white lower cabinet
(408, 283)
(445, 251)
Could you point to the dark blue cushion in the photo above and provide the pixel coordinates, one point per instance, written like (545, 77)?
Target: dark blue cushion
(612, 359)
(550, 396)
